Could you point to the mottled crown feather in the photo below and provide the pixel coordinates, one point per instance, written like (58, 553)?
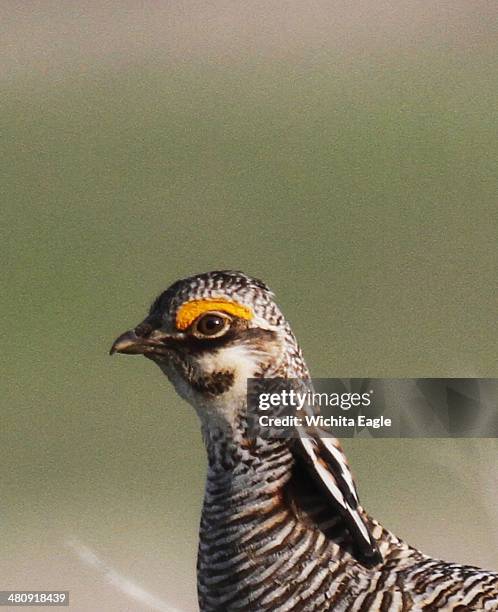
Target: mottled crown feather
(227, 284)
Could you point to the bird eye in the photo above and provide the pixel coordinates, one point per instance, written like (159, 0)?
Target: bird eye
(212, 325)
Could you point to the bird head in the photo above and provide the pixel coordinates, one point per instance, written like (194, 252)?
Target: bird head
(211, 332)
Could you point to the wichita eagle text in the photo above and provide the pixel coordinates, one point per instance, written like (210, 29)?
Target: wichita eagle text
(324, 421)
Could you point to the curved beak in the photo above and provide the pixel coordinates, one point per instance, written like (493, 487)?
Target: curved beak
(130, 343)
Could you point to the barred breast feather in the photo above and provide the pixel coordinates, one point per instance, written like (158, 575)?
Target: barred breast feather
(271, 539)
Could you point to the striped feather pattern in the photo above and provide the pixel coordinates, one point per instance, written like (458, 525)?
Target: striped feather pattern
(269, 540)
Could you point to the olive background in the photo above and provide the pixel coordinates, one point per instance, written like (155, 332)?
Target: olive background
(346, 153)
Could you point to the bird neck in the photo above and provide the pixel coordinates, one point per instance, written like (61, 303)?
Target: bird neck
(240, 475)
(232, 451)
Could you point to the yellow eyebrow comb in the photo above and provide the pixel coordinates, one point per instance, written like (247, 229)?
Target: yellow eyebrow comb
(188, 312)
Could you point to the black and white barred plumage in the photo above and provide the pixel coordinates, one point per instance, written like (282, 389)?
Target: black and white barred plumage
(281, 527)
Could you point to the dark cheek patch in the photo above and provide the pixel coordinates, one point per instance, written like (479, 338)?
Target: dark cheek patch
(214, 384)
(183, 352)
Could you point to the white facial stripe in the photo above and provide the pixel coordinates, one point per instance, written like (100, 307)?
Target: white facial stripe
(237, 358)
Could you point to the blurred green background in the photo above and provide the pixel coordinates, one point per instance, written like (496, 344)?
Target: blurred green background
(345, 154)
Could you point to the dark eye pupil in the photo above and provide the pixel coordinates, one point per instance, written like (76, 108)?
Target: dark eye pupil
(210, 325)
(213, 323)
